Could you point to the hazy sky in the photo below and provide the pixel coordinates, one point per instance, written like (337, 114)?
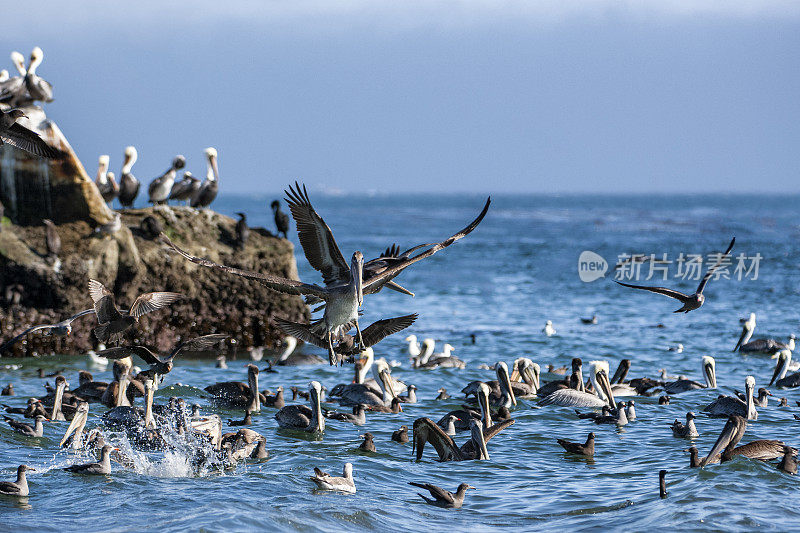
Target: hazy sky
(502, 96)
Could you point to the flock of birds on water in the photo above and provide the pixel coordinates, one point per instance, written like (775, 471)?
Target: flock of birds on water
(489, 405)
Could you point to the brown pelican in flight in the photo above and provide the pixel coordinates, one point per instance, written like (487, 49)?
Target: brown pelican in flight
(709, 366)
(690, 301)
(425, 430)
(731, 405)
(60, 329)
(115, 321)
(345, 285)
(15, 134)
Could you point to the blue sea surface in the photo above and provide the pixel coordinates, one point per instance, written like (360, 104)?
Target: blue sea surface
(518, 269)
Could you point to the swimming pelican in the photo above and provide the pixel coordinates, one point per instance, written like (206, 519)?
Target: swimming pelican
(128, 184)
(414, 349)
(709, 367)
(425, 431)
(208, 190)
(237, 394)
(525, 378)
(366, 394)
(76, 426)
(302, 417)
(326, 481)
(784, 381)
(464, 416)
(767, 346)
(732, 433)
(748, 326)
(575, 398)
(690, 301)
(38, 88)
(502, 393)
(731, 405)
(549, 330)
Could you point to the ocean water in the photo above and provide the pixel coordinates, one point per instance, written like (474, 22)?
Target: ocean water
(501, 283)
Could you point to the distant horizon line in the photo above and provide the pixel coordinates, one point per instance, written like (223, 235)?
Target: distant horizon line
(369, 194)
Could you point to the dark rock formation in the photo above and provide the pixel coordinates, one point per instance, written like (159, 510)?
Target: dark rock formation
(35, 290)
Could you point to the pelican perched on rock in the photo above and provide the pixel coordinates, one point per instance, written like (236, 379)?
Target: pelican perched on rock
(425, 430)
(237, 394)
(128, 184)
(789, 382)
(326, 481)
(186, 189)
(575, 398)
(210, 187)
(302, 417)
(731, 405)
(38, 88)
(13, 92)
(159, 188)
(748, 326)
(709, 367)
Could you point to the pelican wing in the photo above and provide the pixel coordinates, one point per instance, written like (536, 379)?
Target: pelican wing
(284, 285)
(437, 492)
(121, 352)
(658, 290)
(572, 398)
(21, 137)
(294, 417)
(316, 238)
(206, 342)
(381, 329)
(763, 450)
(713, 268)
(425, 430)
(390, 273)
(302, 332)
(151, 301)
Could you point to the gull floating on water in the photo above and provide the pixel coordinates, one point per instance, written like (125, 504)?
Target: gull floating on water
(18, 487)
(326, 481)
(441, 497)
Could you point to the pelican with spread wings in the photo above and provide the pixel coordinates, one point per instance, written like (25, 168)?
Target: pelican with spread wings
(345, 285)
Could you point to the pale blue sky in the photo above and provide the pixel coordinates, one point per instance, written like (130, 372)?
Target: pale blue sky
(589, 96)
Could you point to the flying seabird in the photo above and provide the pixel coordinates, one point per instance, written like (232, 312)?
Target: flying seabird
(441, 497)
(326, 481)
(37, 430)
(159, 188)
(345, 286)
(163, 365)
(60, 329)
(38, 88)
(128, 184)
(586, 448)
(209, 188)
(401, 435)
(18, 487)
(709, 368)
(16, 135)
(302, 417)
(690, 302)
(281, 219)
(685, 430)
(372, 334)
(114, 321)
(731, 405)
(100, 468)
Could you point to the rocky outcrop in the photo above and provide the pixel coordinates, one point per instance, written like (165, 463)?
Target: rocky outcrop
(36, 290)
(33, 188)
